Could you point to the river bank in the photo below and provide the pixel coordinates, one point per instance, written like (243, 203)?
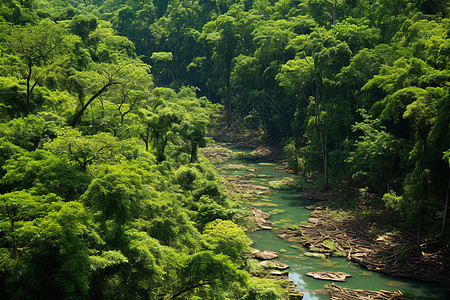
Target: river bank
(243, 178)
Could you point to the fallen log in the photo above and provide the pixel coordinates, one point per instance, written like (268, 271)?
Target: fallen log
(338, 293)
(396, 253)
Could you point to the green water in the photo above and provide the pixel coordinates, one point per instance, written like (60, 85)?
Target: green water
(288, 208)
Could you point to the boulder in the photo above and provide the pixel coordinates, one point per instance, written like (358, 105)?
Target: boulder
(261, 219)
(275, 273)
(295, 294)
(266, 228)
(313, 254)
(280, 265)
(265, 255)
(273, 264)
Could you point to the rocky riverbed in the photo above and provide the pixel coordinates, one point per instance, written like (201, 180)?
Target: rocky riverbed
(337, 233)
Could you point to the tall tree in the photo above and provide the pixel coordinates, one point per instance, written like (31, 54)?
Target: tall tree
(35, 44)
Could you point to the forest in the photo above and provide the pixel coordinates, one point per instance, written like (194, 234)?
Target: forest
(104, 105)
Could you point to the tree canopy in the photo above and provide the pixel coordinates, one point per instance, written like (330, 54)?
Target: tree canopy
(105, 104)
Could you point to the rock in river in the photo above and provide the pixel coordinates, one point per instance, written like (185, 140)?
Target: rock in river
(260, 218)
(264, 255)
(274, 265)
(324, 275)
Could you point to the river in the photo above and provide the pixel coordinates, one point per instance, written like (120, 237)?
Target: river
(287, 208)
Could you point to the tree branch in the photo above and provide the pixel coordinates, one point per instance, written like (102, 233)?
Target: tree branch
(192, 287)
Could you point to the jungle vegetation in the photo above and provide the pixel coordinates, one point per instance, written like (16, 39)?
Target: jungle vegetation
(105, 103)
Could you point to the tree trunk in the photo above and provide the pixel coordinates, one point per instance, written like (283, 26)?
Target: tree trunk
(145, 138)
(77, 115)
(444, 219)
(228, 99)
(325, 164)
(194, 151)
(13, 235)
(27, 105)
(160, 145)
(321, 128)
(334, 13)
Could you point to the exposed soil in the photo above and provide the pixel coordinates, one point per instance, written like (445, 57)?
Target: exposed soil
(314, 195)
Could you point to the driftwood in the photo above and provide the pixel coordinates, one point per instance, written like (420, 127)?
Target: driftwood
(395, 253)
(339, 293)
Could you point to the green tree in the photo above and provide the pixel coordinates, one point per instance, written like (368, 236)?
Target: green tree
(224, 32)
(27, 133)
(377, 153)
(445, 212)
(35, 44)
(51, 237)
(158, 120)
(95, 84)
(84, 150)
(213, 274)
(227, 238)
(42, 173)
(83, 25)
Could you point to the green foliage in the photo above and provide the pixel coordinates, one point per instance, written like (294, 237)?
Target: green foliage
(83, 25)
(46, 236)
(84, 151)
(264, 289)
(116, 195)
(376, 152)
(114, 206)
(227, 238)
(211, 274)
(27, 133)
(106, 259)
(34, 45)
(43, 173)
(392, 201)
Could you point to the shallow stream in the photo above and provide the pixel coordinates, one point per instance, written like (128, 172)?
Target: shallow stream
(288, 208)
